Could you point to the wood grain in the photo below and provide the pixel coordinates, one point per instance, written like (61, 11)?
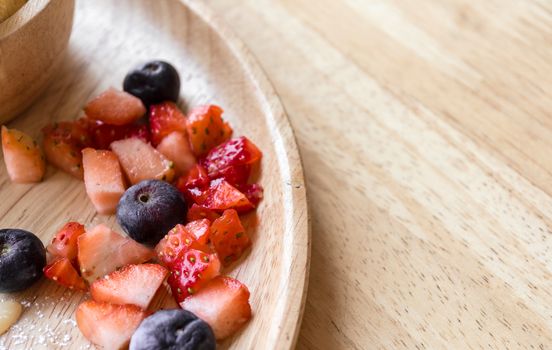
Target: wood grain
(425, 131)
(108, 39)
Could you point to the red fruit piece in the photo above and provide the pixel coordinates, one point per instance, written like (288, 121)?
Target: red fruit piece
(221, 196)
(192, 272)
(200, 229)
(229, 237)
(141, 161)
(197, 212)
(223, 304)
(64, 273)
(133, 284)
(102, 251)
(232, 160)
(176, 148)
(103, 179)
(178, 241)
(206, 129)
(107, 325)
(165, 118)
(253, 192)
(104, 134)
(115, 107)
(194, 183)
(63, 142)
(64, 243)
(23, 157)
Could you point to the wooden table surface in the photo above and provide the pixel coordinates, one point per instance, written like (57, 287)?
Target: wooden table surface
(425, 129)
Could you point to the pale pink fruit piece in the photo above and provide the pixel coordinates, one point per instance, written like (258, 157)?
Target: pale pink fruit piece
(176, 148)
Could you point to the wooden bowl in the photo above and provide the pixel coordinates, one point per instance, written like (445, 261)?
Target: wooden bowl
(32, 42)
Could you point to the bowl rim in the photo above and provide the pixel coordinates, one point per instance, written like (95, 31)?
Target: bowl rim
(21, 17)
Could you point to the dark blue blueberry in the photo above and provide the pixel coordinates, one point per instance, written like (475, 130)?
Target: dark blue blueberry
(22, 258)
(149, 209)
(173, 329)
(153, 82)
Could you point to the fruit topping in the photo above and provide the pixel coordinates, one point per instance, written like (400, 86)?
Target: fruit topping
(140, 161)
(191, 272)
(22, 258)
(104, 134)
(165, 118)
(178, 241)
(173, 329)
(253, 192)
(133, 284)
(102, 251)
(9, 314)
(115, 107)
(103, 179)
(223, 303)
(201, 229)
(64, 273)
(206, 129)
(197, 212)
(149, 209)
(64, 243)
(176, 148)
(153, 82)
(221, 196)
(107, 325)
(229, 237)
(23, 157)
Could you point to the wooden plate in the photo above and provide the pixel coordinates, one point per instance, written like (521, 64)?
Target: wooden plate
(109, 37)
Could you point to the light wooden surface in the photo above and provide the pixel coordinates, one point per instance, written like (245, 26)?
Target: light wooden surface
(109, 38)
(425, 129)
(32, 42)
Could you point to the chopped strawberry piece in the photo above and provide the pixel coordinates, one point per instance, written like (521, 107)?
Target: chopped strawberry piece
(201, 230)
(133, 284)
(64, 273)
(221, 196)
(178, 241)
(102, 251)
(165, 118)
(103, 179)
(223, 303)
(64, 243)
(23, 157)
(191, 272)
(197, 212)
(104, 134)
(229, 237)
(141, 161)
(206, 129)
(253, 192)
(176, 148)
(194, 183)
(107, 325)
(63, 142)
(232, 160)
(115, 107)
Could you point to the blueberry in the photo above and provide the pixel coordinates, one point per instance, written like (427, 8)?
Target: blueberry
(22, 258)
(153, 82)
(149, 209)
(173, 329)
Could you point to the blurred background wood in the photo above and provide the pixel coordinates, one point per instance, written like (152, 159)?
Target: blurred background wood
(425, 129)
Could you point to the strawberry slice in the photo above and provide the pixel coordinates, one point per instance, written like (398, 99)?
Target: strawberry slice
(253, 192)
(23, 157)
(165, 118)
(176, 148)
(107, 325)
(102, 251)
(232, 160)
(63, 142)
(197, 212)
(64, 273)
(206, 129)
(178, 241)
(221, 196)
(194, 183)
(133, 284)
(104, 134)
(193, 270)
(115, 107)
(223, 303)
(64, 243)
(200, 229)
(229, 237)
